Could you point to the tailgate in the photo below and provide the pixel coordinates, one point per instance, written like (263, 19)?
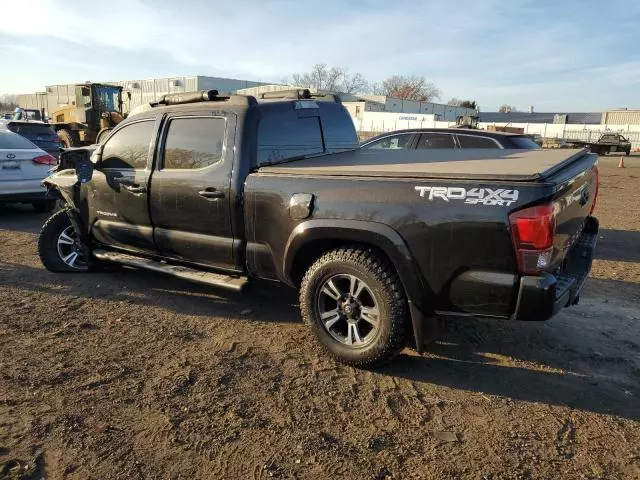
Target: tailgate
(574, 201)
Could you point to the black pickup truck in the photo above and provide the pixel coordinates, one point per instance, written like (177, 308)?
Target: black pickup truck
(221, 190)
(607, 143)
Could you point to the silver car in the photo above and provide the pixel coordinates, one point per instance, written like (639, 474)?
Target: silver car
(22, 167)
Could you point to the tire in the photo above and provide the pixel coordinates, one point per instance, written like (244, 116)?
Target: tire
(68, 138)
(628, 152)
(367, 344)
(42, 206)
(51, 248)
(102, 134)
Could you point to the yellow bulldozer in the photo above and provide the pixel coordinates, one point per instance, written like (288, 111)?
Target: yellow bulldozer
(96, 110)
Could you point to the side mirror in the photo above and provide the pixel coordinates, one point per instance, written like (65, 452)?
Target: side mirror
(84, 171)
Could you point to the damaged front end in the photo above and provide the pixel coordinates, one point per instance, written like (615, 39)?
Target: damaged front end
(66, 183)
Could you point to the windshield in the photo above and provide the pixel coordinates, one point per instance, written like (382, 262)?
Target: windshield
(13, 141)
(109, 98)
(27, 115)
(525, 142)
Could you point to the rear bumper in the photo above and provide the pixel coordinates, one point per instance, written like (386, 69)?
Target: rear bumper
(23, 191)
(541, 297)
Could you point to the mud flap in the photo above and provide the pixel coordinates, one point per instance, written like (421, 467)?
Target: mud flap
(424, 326)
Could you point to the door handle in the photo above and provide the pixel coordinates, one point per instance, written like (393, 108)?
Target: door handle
(135, 188)
(211, 193)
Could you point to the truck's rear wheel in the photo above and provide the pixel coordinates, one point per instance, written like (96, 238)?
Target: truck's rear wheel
(68, 138)
(355, 305)
(59, 247)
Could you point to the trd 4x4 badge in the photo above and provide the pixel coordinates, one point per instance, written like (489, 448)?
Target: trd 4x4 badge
(473, 196)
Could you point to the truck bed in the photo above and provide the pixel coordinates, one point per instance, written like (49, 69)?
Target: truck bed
(485, 164)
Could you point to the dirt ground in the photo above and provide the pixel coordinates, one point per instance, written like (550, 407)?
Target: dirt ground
(135, 375)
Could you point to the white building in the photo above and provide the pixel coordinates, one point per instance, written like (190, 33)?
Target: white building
(358, 104)
(135, 92)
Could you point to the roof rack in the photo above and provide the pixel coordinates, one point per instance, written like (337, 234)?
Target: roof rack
(202, 96)
(300, 94)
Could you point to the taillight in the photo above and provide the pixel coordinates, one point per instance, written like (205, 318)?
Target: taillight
(532, 231)
(595, 197)
(45, 160)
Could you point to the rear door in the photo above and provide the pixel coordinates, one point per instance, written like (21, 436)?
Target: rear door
(190, 189)
(436, 140)
(118, 207)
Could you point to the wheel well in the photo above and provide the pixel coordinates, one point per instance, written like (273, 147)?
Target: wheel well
(313, 250)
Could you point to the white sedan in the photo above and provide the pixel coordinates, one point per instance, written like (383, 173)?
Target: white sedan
(22, 167)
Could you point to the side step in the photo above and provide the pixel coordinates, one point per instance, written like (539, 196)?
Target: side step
(186, 273)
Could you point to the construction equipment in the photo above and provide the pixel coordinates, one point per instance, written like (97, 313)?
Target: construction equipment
(96, 110)
(467, 121)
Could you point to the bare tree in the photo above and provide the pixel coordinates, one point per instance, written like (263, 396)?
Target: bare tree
(334, 79)
(8, 101)
(456, 102)
(504, 108)
(409, 88)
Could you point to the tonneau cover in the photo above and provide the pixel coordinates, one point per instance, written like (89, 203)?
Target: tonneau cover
(487, 164)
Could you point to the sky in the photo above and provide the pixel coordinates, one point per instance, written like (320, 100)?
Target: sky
(561, 55)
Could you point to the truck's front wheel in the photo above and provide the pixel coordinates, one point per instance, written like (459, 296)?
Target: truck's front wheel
(355, 305)
(59, 247)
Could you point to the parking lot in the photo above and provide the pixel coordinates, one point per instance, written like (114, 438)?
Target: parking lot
(131, 374)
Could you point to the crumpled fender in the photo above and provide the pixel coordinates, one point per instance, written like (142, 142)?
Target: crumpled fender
(61, 184)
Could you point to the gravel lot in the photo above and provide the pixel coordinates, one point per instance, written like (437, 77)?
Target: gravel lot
(130, 374)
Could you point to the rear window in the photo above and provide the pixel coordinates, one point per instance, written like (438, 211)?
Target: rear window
(524, 142)
(32, 129)
(15, 142)
(286, 135)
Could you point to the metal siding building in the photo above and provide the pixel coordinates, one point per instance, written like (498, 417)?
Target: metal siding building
(621, 117)
(142, 91)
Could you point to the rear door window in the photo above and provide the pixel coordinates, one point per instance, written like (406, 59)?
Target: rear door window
(436, 140)
(392, 142)
(194, 143)
(288, 135)
(471, 141)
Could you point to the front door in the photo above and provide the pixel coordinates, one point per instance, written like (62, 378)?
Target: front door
(190, 190)
(117, 196)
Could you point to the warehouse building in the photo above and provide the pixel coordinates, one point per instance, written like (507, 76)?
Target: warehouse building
(135, 92)
(621, 117)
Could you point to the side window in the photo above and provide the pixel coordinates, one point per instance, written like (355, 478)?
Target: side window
(286, 136)
(469, 141)
(436, 140)
(128, 148)
(394, 142)
(193, 143)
